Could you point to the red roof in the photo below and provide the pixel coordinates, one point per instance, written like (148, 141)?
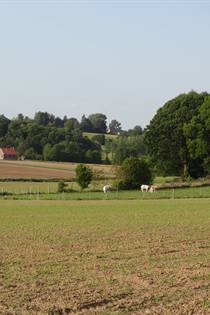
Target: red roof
(9, 151)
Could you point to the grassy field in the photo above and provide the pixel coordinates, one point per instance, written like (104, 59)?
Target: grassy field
(32, 187)
(90, 135)
(27, 187)
(105, 257)
(48, 191)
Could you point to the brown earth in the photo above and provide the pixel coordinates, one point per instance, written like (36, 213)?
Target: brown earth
(48, 170)
(105, 258)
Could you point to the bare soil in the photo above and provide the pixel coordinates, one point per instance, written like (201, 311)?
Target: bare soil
(105, 257)
(49, 170)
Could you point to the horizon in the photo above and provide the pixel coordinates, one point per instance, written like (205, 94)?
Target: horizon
(109, 119)
(125, 59)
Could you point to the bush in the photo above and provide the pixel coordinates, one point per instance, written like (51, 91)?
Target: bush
(83, 176)
(99, 139)
(118, 184)
(62, 186)
(134, 172)
(93, 156)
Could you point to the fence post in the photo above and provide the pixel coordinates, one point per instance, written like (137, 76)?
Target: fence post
(173, 193)
(117, 193)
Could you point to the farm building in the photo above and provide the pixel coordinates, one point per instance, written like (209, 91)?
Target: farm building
(8, 153)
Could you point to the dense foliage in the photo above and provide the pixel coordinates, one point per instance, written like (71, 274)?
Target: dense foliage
(169, 136)
(127, 146)
(197, 133)
(176, 142)
(134, 172)
(50, 138)
(84, 176)
(62, 186)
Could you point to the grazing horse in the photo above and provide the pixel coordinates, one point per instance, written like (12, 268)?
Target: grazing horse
(106, 188)
(145, 188)
(152, 188)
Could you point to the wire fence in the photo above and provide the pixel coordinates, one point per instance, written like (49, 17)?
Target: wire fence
(50, 193)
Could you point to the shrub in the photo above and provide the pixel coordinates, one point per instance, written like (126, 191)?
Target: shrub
(62, 186)
(118, 184)
(83, 176)
(134, 172)
(99, 138)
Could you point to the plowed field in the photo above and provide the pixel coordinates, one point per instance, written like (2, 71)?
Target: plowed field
(49, 170)
(105, 257)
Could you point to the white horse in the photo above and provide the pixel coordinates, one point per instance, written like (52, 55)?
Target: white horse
(152, 188)
(144, 188)
(106, 188)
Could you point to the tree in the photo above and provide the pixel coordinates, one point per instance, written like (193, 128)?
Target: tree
(74, 152)
(93, 156)
(115, 126)
(136, 131)
(127, 146)
(198, 140)
(99, 139)
(86, 125)
(36, 136)
(135, 172)
(71, 124)
(83, 175)
(165, 137)
(58, 122)
(44, 118)
(20, 117)
(54, 153)
(56, 135)
(4, 123)
(32, 155)
(98, 122)
(108, 149)
(47, 152)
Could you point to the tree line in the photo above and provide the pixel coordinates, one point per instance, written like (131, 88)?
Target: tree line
(175, 142)
(50, 138)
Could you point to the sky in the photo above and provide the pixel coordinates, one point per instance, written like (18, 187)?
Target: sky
(124, 59)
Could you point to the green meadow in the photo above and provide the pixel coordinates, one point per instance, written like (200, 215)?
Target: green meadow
(48, 191)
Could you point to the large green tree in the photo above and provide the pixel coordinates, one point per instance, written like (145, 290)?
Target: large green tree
(85, 124)
(44, 118)
(197, 133)
(115, 126)
(98, 122)
(4, 123)
(165, 136)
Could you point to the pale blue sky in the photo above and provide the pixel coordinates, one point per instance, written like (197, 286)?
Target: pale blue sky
(122, 58)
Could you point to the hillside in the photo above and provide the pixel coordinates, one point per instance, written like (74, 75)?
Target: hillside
(109, 137)
(90, 135)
